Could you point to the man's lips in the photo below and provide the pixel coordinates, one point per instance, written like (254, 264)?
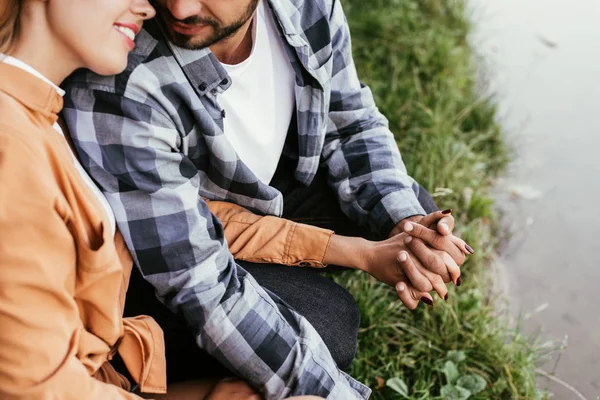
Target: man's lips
(186, 29)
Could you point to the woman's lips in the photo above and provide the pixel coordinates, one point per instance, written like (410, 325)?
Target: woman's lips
(130, 43)
(128, 32)
(187, 30)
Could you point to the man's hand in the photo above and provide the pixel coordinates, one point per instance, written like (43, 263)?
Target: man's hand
(441, 221)
(410, 296)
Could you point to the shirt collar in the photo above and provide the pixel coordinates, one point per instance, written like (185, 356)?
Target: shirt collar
(26, 67)
(35, 94)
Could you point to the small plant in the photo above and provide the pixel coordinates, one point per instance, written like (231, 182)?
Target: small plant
(459, 386)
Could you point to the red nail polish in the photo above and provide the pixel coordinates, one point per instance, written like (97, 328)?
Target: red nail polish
(448, 211)
(446, 297)
(469, 249)
(458, 281)
(427, 301)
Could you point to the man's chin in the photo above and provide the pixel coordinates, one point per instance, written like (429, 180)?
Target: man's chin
(187, 42)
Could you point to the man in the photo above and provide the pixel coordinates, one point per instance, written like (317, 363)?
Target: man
(245, 102)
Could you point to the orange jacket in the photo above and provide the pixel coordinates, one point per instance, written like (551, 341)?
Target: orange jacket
(63, 275)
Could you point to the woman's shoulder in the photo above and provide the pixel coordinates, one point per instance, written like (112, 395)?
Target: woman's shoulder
(16, 120)
(18, 124)
(24, 161)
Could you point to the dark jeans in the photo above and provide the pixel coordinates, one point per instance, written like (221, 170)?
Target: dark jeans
(328, 307)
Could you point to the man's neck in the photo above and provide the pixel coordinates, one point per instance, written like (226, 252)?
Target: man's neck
(236, 48)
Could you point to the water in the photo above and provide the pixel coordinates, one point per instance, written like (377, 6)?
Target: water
(545, 58)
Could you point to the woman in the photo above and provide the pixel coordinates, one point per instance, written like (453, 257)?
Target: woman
(64, 268)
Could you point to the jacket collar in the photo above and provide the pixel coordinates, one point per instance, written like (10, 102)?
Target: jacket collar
(30, 90)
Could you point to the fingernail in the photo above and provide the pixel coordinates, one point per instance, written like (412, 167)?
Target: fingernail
(446, 297)
(408, 227)
(401, 287)
(427, 301)
(469, 249)
(403, 256)
(458, 281)
(448, 211)
(408, 240)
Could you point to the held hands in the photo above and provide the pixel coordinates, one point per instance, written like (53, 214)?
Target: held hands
(420, 256)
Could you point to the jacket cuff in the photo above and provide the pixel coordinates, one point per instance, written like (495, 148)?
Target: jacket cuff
(306, 246)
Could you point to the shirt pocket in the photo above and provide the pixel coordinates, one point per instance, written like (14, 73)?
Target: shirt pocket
(96, 250)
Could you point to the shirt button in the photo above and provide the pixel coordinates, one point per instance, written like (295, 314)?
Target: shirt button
(224, 82)
(223, 113)
(304, 264)
(202, 87)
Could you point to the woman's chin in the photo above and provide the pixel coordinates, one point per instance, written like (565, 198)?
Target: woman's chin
(109, 66)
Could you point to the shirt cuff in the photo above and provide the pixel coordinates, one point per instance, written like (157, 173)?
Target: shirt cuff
(354, 389)
(392, 209)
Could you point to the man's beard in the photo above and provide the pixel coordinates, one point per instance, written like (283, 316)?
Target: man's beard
(218, 32)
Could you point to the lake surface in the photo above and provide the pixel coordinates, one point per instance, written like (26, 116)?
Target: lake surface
(543, 61)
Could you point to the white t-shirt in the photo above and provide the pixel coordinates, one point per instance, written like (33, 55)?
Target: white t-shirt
(260, 101)
(86, 178)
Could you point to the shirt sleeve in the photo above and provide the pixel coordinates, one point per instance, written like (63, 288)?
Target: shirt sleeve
(132, 150)
(268, 239)
(364, 163)
(38, 339)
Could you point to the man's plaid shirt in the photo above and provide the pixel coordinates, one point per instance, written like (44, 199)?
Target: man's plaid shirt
(152, 138)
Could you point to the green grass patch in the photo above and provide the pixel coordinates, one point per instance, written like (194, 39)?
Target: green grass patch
(415, 57)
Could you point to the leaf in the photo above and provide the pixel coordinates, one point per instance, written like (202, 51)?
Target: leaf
(398, 386)
(450, 371)
(451, 392)
(456, 356)
(473, 383)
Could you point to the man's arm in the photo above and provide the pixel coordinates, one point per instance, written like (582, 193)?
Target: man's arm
(132, 150)
(362, 157)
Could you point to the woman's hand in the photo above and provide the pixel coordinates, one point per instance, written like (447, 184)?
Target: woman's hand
(233, 389)
(391, 261)
(443, 255)
(437, 248)
(386, 262)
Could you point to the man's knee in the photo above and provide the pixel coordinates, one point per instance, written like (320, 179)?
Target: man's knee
(330, 309)
(344, 317)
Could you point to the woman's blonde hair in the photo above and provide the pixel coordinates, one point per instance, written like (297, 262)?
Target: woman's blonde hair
(10, 11)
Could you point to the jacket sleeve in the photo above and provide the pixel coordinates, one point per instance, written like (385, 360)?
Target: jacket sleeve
(38, 316)
(362, 157)
(268, 239)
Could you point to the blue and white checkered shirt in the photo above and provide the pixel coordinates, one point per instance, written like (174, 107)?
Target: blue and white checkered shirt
(152, 138)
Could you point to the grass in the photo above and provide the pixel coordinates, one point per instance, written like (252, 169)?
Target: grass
(415, 57)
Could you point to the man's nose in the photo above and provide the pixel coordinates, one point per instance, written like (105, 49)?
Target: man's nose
(182, 9)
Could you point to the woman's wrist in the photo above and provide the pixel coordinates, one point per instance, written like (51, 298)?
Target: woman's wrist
(350, 252)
